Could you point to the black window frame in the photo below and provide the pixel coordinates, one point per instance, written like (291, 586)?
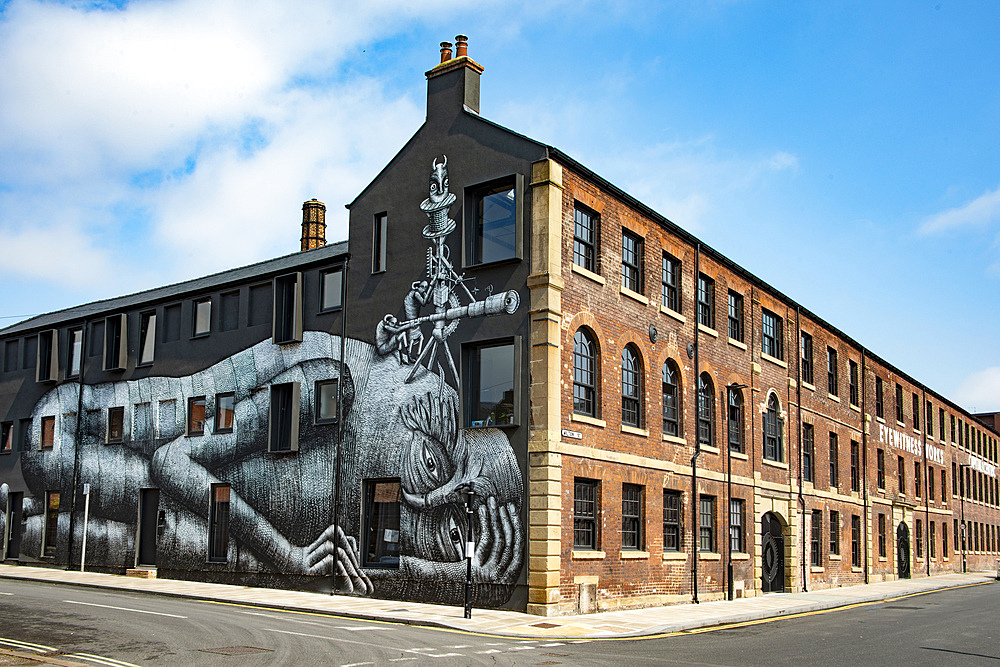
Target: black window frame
(74, 352)
(734, 420)
(196, 305)
(705, 301)
(218, 425)
(283, 418)
(631, 386)
(737, 508)
(880, 469)
(806, 356)
(586, 509)
(706, 410)
(472, 383)
(50, 527)
(672, 523)
(47, 361)
(191, 422)
(586, 235)
(47, 423)
(586, 380)
(834, 460)
(324, 306)
(632, 261)
(773, 431)
(474, 195)
(879, 398)
(816, 538)
(220, 498)
(6, 437)
(116, 418)
(147, 339)
(916, 412)
(901, 474)
(633, 509)
(286, 311)
(900, 412)
(772, 337)
(808, 453)
(852, 382)
(318, 389)
(855, 540)
(706, 524)
(855, 466)
(380, 233)
(375, 521)
(832, 373)
(834, 536)
(670, 280)
(670, 376)
(735, 300)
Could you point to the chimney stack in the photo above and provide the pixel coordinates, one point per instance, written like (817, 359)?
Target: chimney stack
(313, 224)
(453, 84)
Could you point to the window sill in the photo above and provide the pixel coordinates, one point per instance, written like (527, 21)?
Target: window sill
(589, 275)
(634, 295)
(709, 555)
(708, 448)
(806, 385)
(197, 335)
(834, 557)
(880, 420)
(739, 456)
(708, 330)
(584, 419)
(632, 554)
(496, 262)
(883, 559)
(644, 432)
(674, 439)
(856, 569)
(856, 408)
(328, 311)
(833, 397)
(674, 314)
(774, 360)
(736, 343)
(739, 555)
(587, 555)
(776, 464)
(674, 555)
(900, 424)
(817, 569)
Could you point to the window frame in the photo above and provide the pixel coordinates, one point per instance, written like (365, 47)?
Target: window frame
(855, 466)
(706, 410)
(471, 246)
(772, 343)
(705, 301)
(834, 536)
(806, 356)
(586, 523)
(584, 390)
(672, 391)
(323, 306)
(370, 496)
(47, 433)
(115, 414)
(196, 306)
(737, 541)
(734, 420)
(834, 460)
(670, 282)
(880, 469)
(735, 323)
(218, 425)
(380, 231)
(633, 521)
(672, 521)
(773, 442)
(47, 359)
(879, 398)
(632, 261)
(283, 418)
(50, 527)
(706, 524)
(585, 221)
(74, 352)
(631, 385)
(471, 373)
(6, 437)
(852, 382)
(832, 373)
(855, 540)
(147, 339)
(318, 387)
(286, 309)
(220, 499)
(192, 423)
(808, 453)
(900, 411)
(816, 538)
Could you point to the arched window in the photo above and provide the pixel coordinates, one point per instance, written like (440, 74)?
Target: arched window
(671, 399)
(706, 410)
(735, 420)
(631, 387)
(584, 374)
(773, 449)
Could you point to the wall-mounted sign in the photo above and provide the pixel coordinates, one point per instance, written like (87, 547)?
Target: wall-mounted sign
(576, 435)
(908, 443)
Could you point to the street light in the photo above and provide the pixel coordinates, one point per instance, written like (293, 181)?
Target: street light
(963, 489)
(729, 487)
(467, 495)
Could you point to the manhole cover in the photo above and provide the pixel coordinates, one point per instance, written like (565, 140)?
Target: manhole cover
(545, 626)
(236, 650)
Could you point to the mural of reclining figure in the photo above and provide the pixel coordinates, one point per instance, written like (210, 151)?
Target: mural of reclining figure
(280, 504)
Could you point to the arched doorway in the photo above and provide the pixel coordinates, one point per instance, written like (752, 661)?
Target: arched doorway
(903, 550)
(772, 540)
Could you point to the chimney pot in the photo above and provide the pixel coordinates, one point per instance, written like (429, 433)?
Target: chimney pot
(313, 224)
(462, 46)
(445, 51)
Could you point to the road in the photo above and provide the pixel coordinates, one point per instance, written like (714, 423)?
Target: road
(957, 626)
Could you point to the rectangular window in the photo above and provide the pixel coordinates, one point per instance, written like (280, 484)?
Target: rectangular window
(956, 534)
(380, 230)
(944, 486)
(816, 541)
(900, 417)
(10, 352)
(48, 440)
(381, 516)
(225, 412)
(196, 415)
(632, 537)
(941, 430)
(585, 238)
(834, 533)
(944, 540)
(881, 536)
(806, 350)
(916, 479)
(326, 401)
(202, 317)
(671, 520)
(116, 425)
(736, 542)
(496, 219)
(6, 437)
(853, 379)
(229, 311)
(115, 338)
(706, 523)
(879, 399)
(706, 301)
(834, 460)
(47, 369)
(671, 282)
(147, 337)
(73, 364)
(283, 418)
(585, 514)
(771, 336)
(855, 466)
(919, 541)
(331, 286)
(880, 468)
(855, 541)
(916, 412)
(808, 452)
(51, 533)
(832, 383)
(632, 261)
(218, 524)
(953, 428)
(735, 316)
(929, 419)
(932, 538)
(901, 473)
(489, 393)
(287, 309)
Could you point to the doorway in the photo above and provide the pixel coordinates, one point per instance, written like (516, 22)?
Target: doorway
(772, 554)
(149, 505)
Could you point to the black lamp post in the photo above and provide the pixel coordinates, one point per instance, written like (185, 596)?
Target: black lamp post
(469, 546)
(729, 488)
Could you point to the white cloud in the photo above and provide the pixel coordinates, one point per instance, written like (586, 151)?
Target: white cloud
(978, 212)
(980, 392)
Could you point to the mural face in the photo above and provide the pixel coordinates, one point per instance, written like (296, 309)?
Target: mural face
(407, 466)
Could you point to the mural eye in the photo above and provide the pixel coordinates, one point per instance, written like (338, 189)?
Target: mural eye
(446, 184)
(454, 535)
(431, 466)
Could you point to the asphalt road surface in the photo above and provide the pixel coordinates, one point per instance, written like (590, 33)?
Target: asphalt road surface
(958, 626)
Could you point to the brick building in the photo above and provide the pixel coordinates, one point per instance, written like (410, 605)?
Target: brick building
(635, 415)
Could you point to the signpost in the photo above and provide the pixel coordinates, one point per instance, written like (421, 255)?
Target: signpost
(86, 518)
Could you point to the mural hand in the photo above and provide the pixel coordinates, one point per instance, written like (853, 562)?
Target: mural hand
(498, 550)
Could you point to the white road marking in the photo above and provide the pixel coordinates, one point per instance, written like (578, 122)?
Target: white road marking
(138, 611)
(443, 655)
(38, 648)
(522, 648)
(101, 660)
(3, 593)
(357, 664)
(402, 659)
(492, 650)
(460, 646)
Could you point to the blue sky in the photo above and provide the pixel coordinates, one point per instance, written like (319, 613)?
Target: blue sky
(846, 152)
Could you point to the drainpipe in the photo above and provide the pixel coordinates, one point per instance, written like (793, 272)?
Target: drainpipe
(695, 534)
(77, 435)
(340, 415)
(929, 419)
(864, 454)
(802, 499)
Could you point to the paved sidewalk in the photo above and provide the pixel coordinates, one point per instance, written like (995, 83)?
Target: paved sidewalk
(612, 624)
